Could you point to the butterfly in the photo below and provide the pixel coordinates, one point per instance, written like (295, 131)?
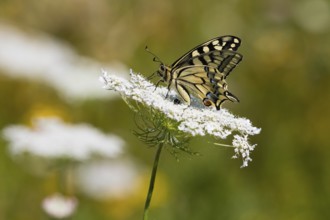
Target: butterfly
(202, 71)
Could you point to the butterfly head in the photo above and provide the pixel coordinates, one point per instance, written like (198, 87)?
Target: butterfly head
(163, 71)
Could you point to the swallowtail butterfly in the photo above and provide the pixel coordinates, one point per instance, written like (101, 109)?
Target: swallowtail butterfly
(202, 71)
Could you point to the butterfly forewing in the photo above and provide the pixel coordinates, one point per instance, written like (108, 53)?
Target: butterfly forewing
(216, 44)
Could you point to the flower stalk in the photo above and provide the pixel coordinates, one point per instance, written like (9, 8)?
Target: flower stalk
(152, 181)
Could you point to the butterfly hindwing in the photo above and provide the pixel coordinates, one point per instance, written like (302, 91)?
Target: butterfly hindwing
(194, 79)
(206, 83)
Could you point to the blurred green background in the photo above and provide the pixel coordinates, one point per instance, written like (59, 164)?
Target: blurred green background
(282, 82)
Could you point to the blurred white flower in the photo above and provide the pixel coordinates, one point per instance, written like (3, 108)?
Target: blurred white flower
(43, 58)
(52, 138)
(193, 120)
(107, 179)
(59, 206)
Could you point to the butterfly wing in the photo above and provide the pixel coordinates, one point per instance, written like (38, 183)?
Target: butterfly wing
(223, 43)
(203, 70)
(195, 79)
(192, 79)
(224, 61)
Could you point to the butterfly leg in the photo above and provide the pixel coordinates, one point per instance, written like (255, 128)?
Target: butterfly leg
(166, 96)
(157, 84)
(151, 76)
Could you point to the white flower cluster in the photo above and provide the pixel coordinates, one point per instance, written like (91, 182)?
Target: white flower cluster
(45, 59)
(193, 120)
(104, 179)
(52, 138)
(59, 206)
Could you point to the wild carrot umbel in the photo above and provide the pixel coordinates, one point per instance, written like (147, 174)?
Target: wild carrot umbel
(162, 123)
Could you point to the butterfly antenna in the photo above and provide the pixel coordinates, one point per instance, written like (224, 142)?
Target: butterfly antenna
(156, 58)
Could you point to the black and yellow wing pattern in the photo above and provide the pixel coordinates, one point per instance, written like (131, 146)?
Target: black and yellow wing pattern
(202, 71)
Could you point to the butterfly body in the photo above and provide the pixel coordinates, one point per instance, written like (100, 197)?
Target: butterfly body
(202, 71)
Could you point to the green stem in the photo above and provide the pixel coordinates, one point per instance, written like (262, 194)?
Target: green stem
(152, 181)
(65, 178)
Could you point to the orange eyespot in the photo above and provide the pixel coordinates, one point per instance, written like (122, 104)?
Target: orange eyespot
(207, 102)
